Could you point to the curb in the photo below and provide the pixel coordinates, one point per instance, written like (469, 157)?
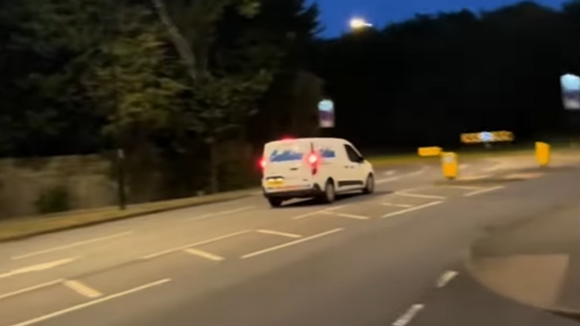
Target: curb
(28, 235)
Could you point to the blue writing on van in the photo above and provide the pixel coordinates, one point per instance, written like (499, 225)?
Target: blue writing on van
(285, 156)
(327, 153)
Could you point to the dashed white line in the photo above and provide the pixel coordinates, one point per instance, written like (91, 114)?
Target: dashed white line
(414, 195)
(353, 216)
(482, 191)
(403, 211)
(397, 205)
(90, 303)
(317, 212)
(30, 289)
(82, 289)
(288, 244)
(462, 187)
(221, 213)
(278, 233)
(72, 245)
(446, 278)
(203, 254)
(195, 244)
(409, 315)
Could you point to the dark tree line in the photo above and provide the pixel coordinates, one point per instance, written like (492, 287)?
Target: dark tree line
(191, 89)
(426, 80)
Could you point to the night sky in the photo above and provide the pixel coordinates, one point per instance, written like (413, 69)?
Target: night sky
(336, 13)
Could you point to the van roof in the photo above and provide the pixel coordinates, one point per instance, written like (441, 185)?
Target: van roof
(310, 139)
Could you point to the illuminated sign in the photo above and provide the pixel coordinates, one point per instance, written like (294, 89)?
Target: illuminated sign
(570, 85)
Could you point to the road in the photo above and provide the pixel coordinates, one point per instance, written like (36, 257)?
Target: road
(361, 261)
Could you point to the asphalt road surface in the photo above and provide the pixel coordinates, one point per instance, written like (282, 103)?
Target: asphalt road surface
(365, 260)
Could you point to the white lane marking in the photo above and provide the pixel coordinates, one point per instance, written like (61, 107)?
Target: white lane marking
(482, 191)
(203, 254)
(397, 205)
(38, 267)
(390, 172)
(288, 244)
(72, 245)
(408, 175)
(446, 278)
(414, 195)
(409, 315)
(463, 166)
(172, 250)
(356, 217)
(30, 289)
(320, 211)
(463, 187)
(221, 213)
(82, 289)
(90, 303)
(281, 234)
(403, 211)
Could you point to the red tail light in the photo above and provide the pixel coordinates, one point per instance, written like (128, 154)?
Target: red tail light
(263, 163)
(312, 159)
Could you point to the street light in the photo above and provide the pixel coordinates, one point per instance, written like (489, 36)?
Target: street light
(359, 23)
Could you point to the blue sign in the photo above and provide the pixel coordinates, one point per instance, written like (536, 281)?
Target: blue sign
(486, 136)
(570, 85)
(327, 153)
(285, 156)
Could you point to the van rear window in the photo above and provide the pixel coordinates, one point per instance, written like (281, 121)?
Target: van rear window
(285, 156)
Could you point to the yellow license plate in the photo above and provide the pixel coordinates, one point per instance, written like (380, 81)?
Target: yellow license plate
(275, 183)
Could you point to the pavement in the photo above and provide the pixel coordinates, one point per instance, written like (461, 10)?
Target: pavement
(364, 260)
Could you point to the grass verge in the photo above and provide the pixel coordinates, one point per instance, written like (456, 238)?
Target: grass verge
(22, 228)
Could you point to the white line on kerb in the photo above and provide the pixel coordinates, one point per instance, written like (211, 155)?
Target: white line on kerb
(82, 289)
(403, 211)
(90, 303)
(30, 289)
(288, 244)
(72, 245)
(409, 315)
(280, 234)
(171, 250)
(203, 254)
(446, 278)
(482, 191)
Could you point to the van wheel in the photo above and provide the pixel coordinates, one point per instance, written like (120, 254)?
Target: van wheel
(370, 185)
(329, 194)
(275, 202)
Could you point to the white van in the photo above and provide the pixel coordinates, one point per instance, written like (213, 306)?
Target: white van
(313, 167)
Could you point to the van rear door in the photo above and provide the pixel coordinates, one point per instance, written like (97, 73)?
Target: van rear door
(286, 165)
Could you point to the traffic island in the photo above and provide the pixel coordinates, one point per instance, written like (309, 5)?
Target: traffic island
(536, 262)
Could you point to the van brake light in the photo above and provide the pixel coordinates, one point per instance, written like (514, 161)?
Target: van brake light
(312, 158)
(263, 163)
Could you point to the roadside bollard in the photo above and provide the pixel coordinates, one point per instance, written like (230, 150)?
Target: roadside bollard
(542, 154)
(449, 165)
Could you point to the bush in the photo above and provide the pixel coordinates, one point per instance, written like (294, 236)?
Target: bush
(53, 200)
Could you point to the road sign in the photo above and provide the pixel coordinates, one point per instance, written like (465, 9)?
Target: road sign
(570, 85)
(326, 113)
(486, 137)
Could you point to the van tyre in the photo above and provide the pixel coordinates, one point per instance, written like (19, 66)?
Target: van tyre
(329, 193)
(275, 202)
(369, 185)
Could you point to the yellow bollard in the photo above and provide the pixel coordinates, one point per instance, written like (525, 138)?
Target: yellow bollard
(542, 154)
(449, 165)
